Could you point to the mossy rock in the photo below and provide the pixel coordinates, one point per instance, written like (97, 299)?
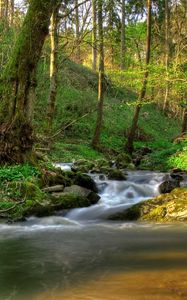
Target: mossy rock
(102, 163)
(24, 197)
(70, 201)
(171, 207)
(85, 181)
(123, 160)
(116, 174)
(56, 177)
(83, 166)
(26, 190)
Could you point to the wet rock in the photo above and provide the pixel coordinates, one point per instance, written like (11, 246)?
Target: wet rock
(85, 181)
(169, 207)
(168, 185)
(116, 174)
(83, 192)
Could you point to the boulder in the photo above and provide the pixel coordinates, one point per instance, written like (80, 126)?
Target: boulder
(83, 192)
(116, 174)
(85, 181)
(169, 207)
(70, 199)
(168, 185)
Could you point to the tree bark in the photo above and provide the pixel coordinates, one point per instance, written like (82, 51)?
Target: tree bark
(2, 8)
(184, 121)
(16, 133)
(77, 32)
(96, 138)
(111, 25)
(94, 35)
(53, 66)
(11, 12)
(129, 147)
(123, 36)
(165, 106)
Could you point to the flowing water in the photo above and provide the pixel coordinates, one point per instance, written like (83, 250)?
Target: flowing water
(85, 257)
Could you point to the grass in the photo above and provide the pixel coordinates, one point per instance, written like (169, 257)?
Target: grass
(77, 96)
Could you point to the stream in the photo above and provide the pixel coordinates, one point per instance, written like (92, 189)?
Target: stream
(82, 256)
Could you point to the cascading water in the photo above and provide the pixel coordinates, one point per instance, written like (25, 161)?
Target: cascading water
(118, 195)
(71, 258)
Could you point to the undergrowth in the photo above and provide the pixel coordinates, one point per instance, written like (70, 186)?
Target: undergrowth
(77, 101)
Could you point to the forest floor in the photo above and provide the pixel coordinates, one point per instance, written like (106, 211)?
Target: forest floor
(76, 114)
(22, 186)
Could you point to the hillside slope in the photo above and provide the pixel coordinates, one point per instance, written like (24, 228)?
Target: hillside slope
(75, 120)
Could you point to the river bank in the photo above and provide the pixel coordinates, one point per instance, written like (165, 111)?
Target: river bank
(106, 190)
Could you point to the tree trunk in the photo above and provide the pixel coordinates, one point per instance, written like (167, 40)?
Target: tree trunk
(165, 106)
(53, 66)
(123, 36)
(96, 138)
(184, 121)
(111, 25)
(94, 36)
(16, 133)
(1, 9)
(130, 139)
(11, 12)
(77, 32)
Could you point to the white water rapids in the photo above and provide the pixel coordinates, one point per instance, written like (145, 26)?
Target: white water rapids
(84, 256)
(117, 196)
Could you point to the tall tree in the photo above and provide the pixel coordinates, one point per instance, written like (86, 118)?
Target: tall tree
(77, 31)
(184, 121)
(129, 147)
(16, 133)
(11, 12)
(123, 35)
(166, 53)
(1, 9)
(110, 29)
(94, 35)
(97, 133)
(53, 65)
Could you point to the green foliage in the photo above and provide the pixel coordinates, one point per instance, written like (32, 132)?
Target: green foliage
(179, 159)
(17, 172)
(68, 152)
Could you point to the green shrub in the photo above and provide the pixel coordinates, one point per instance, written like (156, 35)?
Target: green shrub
(17, 172)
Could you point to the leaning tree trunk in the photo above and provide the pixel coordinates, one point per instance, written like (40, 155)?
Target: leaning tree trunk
(96, 138)
(132, 132)
(16, 133)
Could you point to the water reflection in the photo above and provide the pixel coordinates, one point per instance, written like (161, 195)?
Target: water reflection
(98, 261)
